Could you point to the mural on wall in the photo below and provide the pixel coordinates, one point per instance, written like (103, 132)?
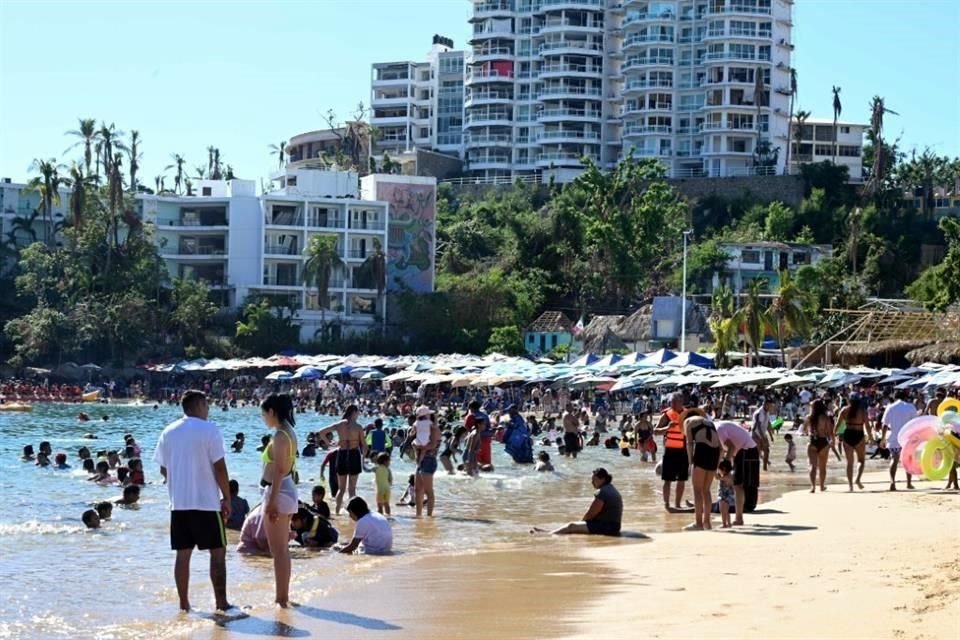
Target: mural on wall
(412, 241)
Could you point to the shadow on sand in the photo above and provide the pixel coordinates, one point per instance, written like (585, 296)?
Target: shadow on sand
(767, 529)
(342, 617)
(253, 626)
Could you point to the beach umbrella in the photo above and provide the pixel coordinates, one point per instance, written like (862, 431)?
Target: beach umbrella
(371, 375)
(662, 356)
(91, 367)
(585, 360)
(687, 358)
(279, 375)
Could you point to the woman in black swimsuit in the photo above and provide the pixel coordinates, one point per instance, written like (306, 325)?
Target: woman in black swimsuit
(703, 447)
(854, 414)
(820, 428)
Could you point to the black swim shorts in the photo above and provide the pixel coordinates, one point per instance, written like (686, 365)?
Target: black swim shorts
(675, 465)
(201, 529)
(571, 442)
(349, 462)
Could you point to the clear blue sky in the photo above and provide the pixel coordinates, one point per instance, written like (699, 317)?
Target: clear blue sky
(240, 74)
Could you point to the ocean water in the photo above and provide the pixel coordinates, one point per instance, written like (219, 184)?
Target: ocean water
(61, 580)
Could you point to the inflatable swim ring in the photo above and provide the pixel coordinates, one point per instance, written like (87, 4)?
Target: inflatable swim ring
(910, 457)
(937, 459)
(16, 406)
(950, 404)
(920, 429)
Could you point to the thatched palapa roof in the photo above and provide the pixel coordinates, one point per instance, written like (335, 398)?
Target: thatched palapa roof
(551, 322)
(601, 334)
(942, 352)
(880, 347)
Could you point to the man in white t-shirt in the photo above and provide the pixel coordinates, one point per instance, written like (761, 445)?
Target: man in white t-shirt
(805, 396)
(190, 455)
(899, 413)
(373, 530)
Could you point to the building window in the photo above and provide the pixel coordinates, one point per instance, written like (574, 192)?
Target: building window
(206, 191)
(753, 257)
(291, 181)
(844, 129)
(801, 258)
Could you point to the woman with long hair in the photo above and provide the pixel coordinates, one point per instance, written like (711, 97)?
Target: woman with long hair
(351, 453)
(703, 447)
(820, 428)
(280, 499)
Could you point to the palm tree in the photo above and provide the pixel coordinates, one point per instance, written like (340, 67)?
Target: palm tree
(216, 173)
(210, 151)
(115, 195)
(79, 182)
(25, 224)
(789, 312)
(378, 266)
(875, 134)
(837, 109)
(278, 150)
(134, 156)
(755, 318)
(322, 257)
(793, 96)
(110, 140)
(201, 173)
(724, 322)
(178, 162)
(47, 184)
(87, 132)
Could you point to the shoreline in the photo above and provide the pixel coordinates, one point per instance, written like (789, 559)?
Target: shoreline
(804, 571)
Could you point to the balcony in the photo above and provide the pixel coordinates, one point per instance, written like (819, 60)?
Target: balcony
(492, 9)
(276, 249)
(489, 161)
(375, 224)
(282, 281)
(637, 40)
(644, 85)
(476, 98)
(645, 18)
(488, 119)
(561, 26)
(489, 75)
(562, 158)
(555, 5)
(324, 221)
(564, 92)
(647, 130)
(492, 140)
(484, 54)
(744, 9)
(571, 46)
(213, 252)
(647, 61)
(553, 70)
(554, 115)
(283, 218)
(568, 136)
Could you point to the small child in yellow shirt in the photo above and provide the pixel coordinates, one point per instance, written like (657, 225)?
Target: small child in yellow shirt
(384, 479)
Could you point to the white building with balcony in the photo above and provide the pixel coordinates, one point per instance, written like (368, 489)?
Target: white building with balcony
(243, 244)
(549, 82)
(21, 219)
(419, 104)
(813, 141)
(749, 261)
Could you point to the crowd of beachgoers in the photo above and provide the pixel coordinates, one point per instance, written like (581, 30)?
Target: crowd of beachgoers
(693, 438)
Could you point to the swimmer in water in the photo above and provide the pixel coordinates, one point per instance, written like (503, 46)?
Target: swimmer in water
(104, 510)
(131, 496)
(27, 453)
(61, 461)
(91, 519)
(543, 462)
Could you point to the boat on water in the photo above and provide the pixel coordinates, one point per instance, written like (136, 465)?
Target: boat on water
(91, 396)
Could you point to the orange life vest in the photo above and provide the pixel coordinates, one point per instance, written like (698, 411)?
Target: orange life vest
(674, 439)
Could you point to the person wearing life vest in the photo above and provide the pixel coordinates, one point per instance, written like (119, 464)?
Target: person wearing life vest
(675, 462)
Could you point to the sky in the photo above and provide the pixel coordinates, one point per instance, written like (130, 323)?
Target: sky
(242, 74)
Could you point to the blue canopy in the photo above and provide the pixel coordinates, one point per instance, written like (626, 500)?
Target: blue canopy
(585, 360)
(658, 357)
(685, 358)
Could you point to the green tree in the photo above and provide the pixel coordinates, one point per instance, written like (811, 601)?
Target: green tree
(780, 223)
(267, 326)
(87, 134)
(724, 322)
(47, 184)
(192, 311)
(837, 110)
(756, 318)
(322, 257)
(178, 162)
(279, 150)
(134, 157)
(938, 287)
(789, 312)
(506, 340)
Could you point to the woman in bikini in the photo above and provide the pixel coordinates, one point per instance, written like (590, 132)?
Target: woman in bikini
(854, 416)
(350, 456)
(703, 449)
(820, 428)
(280, 499)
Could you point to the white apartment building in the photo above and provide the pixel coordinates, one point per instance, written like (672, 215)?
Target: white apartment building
(813, 141)
(21, 221)
(244, 244)
(419, 104)
(551, 81)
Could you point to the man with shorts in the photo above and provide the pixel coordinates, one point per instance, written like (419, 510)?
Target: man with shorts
(190, 454)
(742, 451)
(571, 432)
(899, 413)
(675, 464)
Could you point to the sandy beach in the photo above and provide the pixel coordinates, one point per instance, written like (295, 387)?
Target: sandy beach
(832, 565)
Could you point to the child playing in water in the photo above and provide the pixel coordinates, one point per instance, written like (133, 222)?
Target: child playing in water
(61, 461)
(102, 474)
(791, 450)
(239, 508)
(406, 500)
(543, 462)
(136, 472)
(104, 510)
(728, 496)
(131, 495)
(383, 479)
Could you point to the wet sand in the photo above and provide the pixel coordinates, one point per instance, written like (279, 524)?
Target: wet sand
(868, 565)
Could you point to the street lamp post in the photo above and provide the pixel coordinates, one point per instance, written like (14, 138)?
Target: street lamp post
(683, 298)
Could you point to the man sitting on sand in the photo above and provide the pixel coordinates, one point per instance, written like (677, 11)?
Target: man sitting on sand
(605, 513)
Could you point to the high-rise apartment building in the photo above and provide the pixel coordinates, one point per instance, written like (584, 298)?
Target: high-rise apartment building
(419, 104)
(701, 85)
